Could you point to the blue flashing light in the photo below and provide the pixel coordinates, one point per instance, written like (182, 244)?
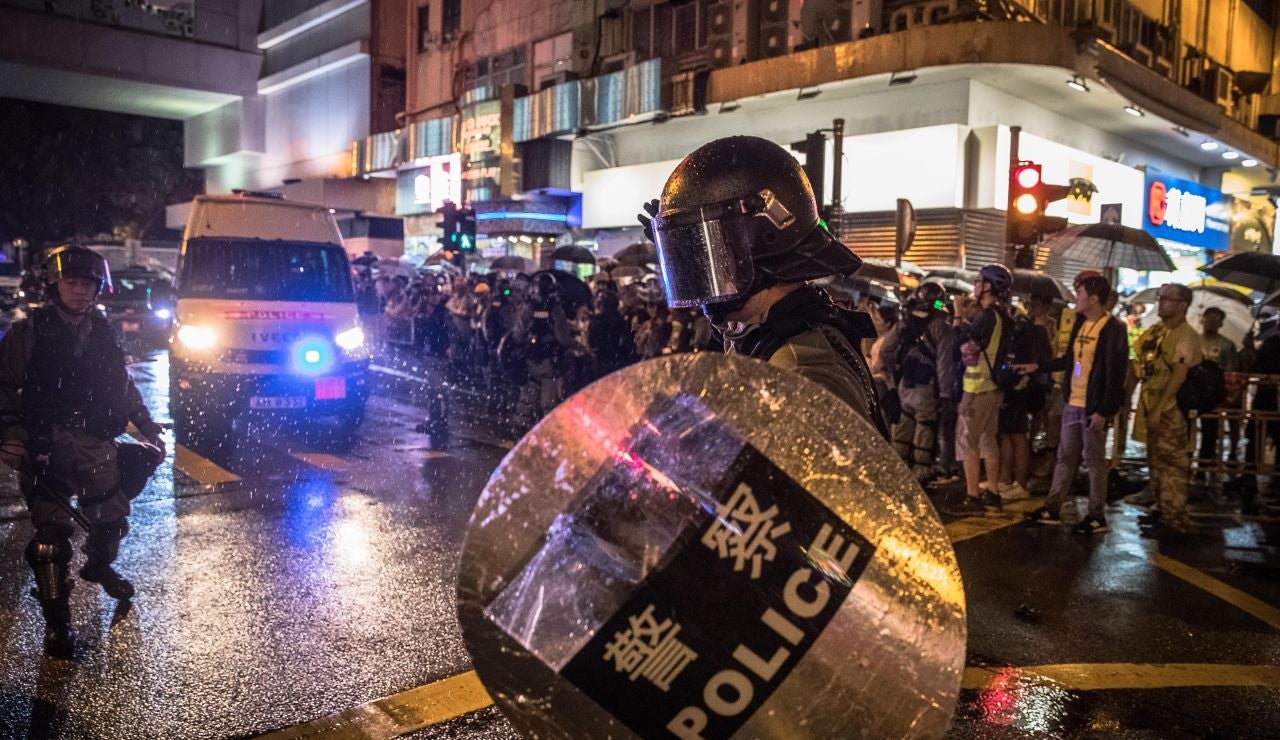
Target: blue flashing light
(312, 356)
(558, 217)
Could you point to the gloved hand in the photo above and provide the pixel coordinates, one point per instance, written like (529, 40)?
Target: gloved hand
(13, 452)
(650, 208)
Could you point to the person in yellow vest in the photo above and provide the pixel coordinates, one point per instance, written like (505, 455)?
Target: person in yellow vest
(1165, 353)
(977, 425)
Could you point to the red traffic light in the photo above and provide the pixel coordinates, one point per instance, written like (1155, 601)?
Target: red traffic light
(1027, 176)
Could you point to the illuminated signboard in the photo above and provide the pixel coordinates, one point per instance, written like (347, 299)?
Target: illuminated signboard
(484, 139)
(424, 189)
(1186, 212)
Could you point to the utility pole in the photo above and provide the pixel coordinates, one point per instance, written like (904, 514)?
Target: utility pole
(837, 168)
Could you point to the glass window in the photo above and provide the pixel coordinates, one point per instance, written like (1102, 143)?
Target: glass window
(265, 271)
(450, 18)
(424, 27)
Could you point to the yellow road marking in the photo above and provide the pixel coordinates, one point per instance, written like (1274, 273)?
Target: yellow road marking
(397, 714)
(322, 460)
(976, 526)
(1237, 598)
(1115, 676)
(200, 469)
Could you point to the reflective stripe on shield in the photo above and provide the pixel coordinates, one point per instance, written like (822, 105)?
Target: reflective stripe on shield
(706, 546)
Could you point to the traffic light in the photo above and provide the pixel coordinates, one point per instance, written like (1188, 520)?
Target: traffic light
(449, 225)
(1028, 196)
(814, 148)
(466, 231)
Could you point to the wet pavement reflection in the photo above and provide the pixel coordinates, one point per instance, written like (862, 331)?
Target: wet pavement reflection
(300, 582)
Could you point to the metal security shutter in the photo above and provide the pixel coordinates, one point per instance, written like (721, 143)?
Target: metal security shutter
(945, 237)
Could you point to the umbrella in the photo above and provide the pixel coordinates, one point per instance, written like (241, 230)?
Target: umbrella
(628, 273)
(885, 273)
(573, 292)
(637, 255)
(952, 279)
(574, 253)
(1036, 283)
(1238, 317)
(510, 263)
(1108, 246)
(1223, 292)
(1250, 269)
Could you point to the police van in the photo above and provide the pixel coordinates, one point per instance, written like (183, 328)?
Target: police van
(265, 322)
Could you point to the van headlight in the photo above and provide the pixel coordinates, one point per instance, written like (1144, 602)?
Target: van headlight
(350, 340)
(163, 314)
(196, 337)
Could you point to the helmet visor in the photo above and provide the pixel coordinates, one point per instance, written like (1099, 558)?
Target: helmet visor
(704, 260)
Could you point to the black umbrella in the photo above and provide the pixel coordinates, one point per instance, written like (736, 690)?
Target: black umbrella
(1108, 246)
(573, 253)
(1037, 283)
(574, 293)
(952, 279)
(510, 263)
(637, 255)
(1254, 270)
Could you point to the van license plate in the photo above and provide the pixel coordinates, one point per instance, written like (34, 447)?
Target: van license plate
(331, 389)
(131, 326)
(277, 402)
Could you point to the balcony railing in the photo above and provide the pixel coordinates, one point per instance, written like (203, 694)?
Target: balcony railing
(168, 18)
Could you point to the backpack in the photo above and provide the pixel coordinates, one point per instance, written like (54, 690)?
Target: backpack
(1028, 343)
(1204, 389)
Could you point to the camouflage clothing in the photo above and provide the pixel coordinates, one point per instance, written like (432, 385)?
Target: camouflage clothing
(1169, 456)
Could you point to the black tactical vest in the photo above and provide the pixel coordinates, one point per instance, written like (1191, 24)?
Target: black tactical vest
(88, 390)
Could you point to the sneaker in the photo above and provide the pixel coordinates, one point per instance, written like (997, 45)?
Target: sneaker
(1014, 492)
(968, 506)
(992, 501)
(116, 585)
(1091, 525)
(943, 479)
(1043, 516)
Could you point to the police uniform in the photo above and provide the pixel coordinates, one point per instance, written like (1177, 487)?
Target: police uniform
(738, 217)
(65, 394)
(1164, 429)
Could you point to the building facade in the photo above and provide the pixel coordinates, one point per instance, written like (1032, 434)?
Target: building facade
(565, 116)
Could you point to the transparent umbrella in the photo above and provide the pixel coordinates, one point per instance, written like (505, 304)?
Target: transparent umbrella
(1108, 246)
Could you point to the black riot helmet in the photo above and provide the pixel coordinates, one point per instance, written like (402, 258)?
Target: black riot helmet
(929, 296)
(73, 260)
(737, 215)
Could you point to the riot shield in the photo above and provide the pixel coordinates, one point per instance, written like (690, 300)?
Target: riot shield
(706, 546)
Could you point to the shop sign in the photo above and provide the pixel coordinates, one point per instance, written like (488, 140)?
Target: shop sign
(425, 189)
(1186, 212)
(484, 140)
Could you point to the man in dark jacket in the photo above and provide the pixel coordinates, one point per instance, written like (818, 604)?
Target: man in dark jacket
(1096, 361)
(738, 234)
(65, 395)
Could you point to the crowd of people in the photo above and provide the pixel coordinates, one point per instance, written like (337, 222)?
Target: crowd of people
(530, 340)
(974, 383)
(1005, 394)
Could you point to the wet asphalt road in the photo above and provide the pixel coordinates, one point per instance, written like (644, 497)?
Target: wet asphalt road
(289, 583)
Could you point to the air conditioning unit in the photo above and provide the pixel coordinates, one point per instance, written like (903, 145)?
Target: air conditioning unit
(727, 37)
(1217, 84)
(779, 29)
(923, 14)
(825, 22)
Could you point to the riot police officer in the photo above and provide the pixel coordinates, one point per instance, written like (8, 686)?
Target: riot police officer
(65, 395)
(917, 343)
(738, 234)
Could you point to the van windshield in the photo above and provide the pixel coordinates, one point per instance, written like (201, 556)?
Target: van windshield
(256, 270)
